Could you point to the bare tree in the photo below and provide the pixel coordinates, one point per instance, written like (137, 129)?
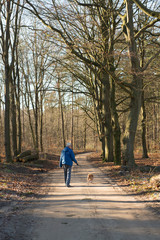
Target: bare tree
(36, 66)
(136, 84)
(10, 15)
(89, 42)
(62, 112)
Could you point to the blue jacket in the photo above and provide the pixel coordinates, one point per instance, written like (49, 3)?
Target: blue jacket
(67, 157)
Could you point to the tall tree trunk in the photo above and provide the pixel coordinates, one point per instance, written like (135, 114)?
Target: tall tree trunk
(85, 134)
(116, 128)
(106, 94)
(97, 100)
(62, 115)
(18, 109)
(106, 108)
(136, 91)
(41, 122)
(36, 117)
(7, 116)
(7, 87)
(103, 143)
(14, 122)
(29, 114)
(111, 66)
(143, 110)
(72, 121)
(130, 131)
(144, 144)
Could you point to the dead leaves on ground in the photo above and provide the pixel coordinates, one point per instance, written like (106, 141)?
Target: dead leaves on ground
(141, 184)
(18, 182)
(21, 180)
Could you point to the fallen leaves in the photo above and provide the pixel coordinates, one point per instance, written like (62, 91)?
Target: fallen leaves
(20, 181)
(16, 185)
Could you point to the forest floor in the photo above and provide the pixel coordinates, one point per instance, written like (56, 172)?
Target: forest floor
(21, 183)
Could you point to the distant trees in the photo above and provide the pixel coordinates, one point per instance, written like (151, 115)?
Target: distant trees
(97, 50)
(89, 47)
(100, 60)
(35, 66)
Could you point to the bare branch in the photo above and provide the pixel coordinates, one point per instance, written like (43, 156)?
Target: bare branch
(146, 27)
(150, 60)
(146, 10)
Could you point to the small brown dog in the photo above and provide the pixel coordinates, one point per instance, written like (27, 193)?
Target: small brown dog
(90, 177)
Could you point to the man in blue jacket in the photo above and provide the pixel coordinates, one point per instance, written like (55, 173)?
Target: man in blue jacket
(66, 161)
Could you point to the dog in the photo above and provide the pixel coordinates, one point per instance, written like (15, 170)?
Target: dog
(90, 177)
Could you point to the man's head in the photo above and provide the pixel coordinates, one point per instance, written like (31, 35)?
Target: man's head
(68, 145)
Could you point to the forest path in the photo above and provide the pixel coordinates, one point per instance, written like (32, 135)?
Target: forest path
(97, 210)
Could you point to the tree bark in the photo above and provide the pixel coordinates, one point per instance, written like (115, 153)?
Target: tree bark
(7, 86)
(41, 122)
(7, 115)
(62, 115)
(106, 89)
(116, 128)
(19, 130)
(36, 116)
(85, 134)
(72, 121)
(136, 91)
(106, 111)
(115, 117)
(14, 116)
(144, 144)
(143, 109)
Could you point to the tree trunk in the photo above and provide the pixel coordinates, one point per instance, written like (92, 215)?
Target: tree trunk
(14, 122)
(62, 116)
(106, 108)
(116, 128)
(103, 142)
(29, 115)
(41, 123)
(18, 105)
(72, 121)
(111, 65)
(130, 131)
(144, 144)
(36, 117)
(85, 134)
(136, 91)
(7, 87)
(7, 116)
(106, 94)
(143, 110)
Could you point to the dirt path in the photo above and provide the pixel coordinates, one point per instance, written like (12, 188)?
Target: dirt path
(96, 210)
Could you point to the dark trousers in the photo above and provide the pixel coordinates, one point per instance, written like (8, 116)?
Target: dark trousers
(67, 174)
